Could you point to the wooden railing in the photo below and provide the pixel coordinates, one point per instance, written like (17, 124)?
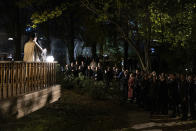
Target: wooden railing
(19, 77)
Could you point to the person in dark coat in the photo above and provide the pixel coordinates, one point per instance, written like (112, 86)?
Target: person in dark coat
(163, 95)
(192, 94)
(99, 73)
(80, 73)
(95, 73)
(153, 92)
(146, 85)
(173, 94)
(124, 79)
(137, 90)
(120, 76)
(83, 67)
(89, 72)
(76, 65)
(72, 68)
(76, 71)
(184, 97)
(67, 70)
(116, 73)
(109, 76)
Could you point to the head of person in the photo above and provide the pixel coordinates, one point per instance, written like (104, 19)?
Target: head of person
(189, 78)
(32, 36)
(79, 67)
(99, 64)
(149, 76)
(132, 75)
(126, 72)
(137, 72)
(162, 77)
(92, 67)
(171, 76)
(154, 78)
(162, 74)
(66, 66)
(182, 77)
(153, 73)
(194, 78)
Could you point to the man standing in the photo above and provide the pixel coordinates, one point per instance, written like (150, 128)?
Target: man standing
(173, 94)
(31, 49)
(192, 90)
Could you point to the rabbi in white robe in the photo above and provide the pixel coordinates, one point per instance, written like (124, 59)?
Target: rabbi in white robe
(31, 50)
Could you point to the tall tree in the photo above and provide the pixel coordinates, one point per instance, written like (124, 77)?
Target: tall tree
(147, 21)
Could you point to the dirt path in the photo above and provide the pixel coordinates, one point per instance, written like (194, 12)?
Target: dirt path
(81, 113)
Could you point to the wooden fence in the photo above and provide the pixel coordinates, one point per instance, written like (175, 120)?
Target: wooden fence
(19, 77)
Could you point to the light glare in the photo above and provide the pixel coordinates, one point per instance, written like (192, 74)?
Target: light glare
(10, 38)
(50, 59)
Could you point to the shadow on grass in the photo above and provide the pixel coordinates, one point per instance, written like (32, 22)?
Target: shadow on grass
(73, 112)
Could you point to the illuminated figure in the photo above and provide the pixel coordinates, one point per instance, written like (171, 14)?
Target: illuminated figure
(32, 50)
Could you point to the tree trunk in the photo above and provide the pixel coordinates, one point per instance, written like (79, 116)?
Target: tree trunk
(194, 26)
(126, 54)
(139, 55)
(94, 50)
(147, 57)
(71, 44)
(126, 46)
(148, 40)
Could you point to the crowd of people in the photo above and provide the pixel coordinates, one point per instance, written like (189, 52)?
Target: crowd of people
(158, 93)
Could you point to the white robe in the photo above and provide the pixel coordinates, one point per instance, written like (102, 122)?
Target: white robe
(29, 51)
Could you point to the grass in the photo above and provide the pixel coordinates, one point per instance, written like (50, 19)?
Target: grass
(78, 111)
(73, 112)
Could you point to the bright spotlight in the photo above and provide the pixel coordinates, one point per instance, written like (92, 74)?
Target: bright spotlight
(10, 38)
(50, 59)
(10, 56)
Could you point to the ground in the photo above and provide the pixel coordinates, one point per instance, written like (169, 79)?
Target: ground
(82, 113)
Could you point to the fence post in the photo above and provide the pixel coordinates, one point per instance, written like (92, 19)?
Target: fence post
(1, 80)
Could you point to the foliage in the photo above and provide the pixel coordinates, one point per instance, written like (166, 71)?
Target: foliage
(38, 18)
(95, 89)
(172, 28)
(142, 22)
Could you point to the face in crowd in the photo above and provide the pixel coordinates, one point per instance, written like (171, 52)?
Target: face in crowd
(89, 67)
(189, 78)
